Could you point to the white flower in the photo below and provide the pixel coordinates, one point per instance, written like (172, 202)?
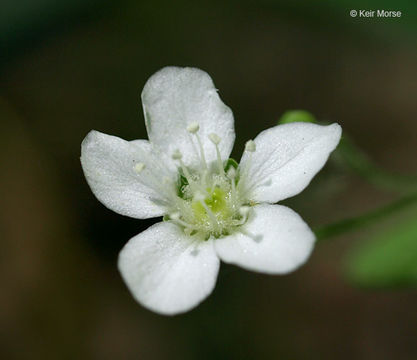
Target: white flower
(213, 208)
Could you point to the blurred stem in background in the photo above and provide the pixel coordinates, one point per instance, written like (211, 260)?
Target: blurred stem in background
(353, 158)
(390, 258)
(340, 227)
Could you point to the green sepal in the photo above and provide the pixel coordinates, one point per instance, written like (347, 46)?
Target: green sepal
(182, 184)
(296, 116)
(232, 163)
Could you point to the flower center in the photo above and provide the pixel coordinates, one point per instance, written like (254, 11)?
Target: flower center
(208, 203)
(216, 202)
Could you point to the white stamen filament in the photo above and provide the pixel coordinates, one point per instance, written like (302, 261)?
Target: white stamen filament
(256, 238)
(215, 139)
(231, 174)
(251, 148)
(212, 217)
(244, 210)
(185, 170)
(150, 177)
(199, 197)
(203, 158)
(175, 217)
(193, 128)
(176, 155)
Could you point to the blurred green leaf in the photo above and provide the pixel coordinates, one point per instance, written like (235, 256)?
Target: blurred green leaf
(296, 116)
(389, 260)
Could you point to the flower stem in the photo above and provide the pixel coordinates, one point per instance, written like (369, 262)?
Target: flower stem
(354, 223)
(360, 163)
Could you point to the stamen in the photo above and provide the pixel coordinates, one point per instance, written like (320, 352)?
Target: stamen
(256, 238)
(176, 155)
(233, 192)
(250, 146)
(244, 210)
(203, 158)
(148, 178)
(212, 204)
(175, 217)
(212, 217)
(215, 139)
(139, 167)
(231, 173)
(200, 198)
(193, 127)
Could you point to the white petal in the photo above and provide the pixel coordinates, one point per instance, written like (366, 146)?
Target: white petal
(109, 167)
(174, 98)
(277, 241)
(286, 159)
(167, 271)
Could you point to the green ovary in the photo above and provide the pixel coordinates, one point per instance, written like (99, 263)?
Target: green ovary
(216, 202)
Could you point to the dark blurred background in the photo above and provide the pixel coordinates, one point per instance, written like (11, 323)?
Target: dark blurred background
(71, 66)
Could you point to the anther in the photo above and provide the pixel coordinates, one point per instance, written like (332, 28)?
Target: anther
(231, 173)
(176, 155)
(214, 138)
(250, 146)
(193, 127)
(257, 238)
(174, 216)
(244, 210)
(139, 167)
